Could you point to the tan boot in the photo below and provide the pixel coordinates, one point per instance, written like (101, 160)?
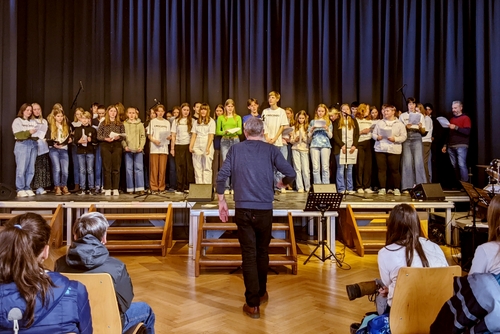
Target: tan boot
(65, 191)
(58, 191)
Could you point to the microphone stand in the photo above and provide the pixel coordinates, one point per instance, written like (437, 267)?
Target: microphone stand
(76, 97)
(347, 150)
(401, 90)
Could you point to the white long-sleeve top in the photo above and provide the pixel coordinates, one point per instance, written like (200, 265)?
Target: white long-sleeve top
(20, 125)
(429, 127)
(398, 132)
(486, 259)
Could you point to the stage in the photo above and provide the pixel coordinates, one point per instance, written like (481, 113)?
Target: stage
(294, 202)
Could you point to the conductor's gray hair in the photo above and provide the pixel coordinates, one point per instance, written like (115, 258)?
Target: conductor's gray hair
(254, 127)
(93, 223)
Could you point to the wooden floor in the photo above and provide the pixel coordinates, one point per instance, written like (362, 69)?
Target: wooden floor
(314, 301)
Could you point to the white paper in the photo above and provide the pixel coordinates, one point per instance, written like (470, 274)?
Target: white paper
(233, 130)
(84, 136)
(319, 123)
(41, 130)
(352, 158)
(385, 133)
(114, 134)
(287, 131)
(414, 118)
(443, 121)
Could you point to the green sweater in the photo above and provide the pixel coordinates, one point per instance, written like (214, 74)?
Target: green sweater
(224, 124)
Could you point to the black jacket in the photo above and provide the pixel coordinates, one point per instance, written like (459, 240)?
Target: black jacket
(89, 255)
(91, 133)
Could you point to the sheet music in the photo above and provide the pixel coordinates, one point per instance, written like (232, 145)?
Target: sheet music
(443, 121)
(414, 118)
(385, 133)
(352, 158)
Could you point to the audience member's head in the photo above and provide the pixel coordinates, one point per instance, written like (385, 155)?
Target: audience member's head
(494, 219)
(254, 127)
(93, 223)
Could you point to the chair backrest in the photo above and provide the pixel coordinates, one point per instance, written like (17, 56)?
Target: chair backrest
(103, 304)
(418, 296)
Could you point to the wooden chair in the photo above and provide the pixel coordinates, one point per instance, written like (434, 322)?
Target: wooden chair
(418, 297)
(103, 304)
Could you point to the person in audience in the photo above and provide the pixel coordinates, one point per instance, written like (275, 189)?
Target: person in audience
(364, 163)
(25, 149)
(412, 168)
(229, 127)
(47, 302)
(216, 163)
(159, 137)
(388, 134)
(58, 137)
(275, 121)
(253, 109)
(426, 141)
(77, 122)
(319, 147)
(201, 145)
(474, 305)
(346, 135)
(42, 178)
(253, 199)
(181, 138)
(300, 151)
(86, 138)
(88, 254)
(110, 133)
(133, 145)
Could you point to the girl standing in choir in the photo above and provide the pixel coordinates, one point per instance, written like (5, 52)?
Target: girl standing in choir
(159, 137)
(426, 140)
(77, 122)
(216, 163)
(300, 151)
(229, 127)
(201, 146)
(346, 135)
(59, 137)
(135, 139)
(172, 173)
(364, 163)
(181, 138)
(110, 133)
(85, 137)
(320, 132)
(25, 149)
(43, 177)
(389, 134)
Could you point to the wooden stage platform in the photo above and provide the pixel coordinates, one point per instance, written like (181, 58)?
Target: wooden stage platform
(75, 205)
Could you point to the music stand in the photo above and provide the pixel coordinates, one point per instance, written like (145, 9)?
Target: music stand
(322, 202)
(478, 197)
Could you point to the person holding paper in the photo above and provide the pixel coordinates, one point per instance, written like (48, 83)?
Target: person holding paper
(229, 127)
(43, 177)
(458, 141)
(320, 131)
(133, 145)
(202, 146)
(300, 151)
(181, 138)
(364, 164)
(111, 149)
(346, 135)
(389, 134)
(413, 171)
(85, 137)
(159, 137)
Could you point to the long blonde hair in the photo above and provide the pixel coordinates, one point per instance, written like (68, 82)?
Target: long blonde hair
(230, 101)
(342, 121)
(53, 124)
(306, 121)
(325, 116)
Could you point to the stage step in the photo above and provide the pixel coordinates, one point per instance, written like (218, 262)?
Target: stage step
(205, 258)
(162, 234)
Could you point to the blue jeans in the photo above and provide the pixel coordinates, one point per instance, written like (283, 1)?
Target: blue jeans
(60, 165)
(139, 312)
(225, 145)
(25, 153)
(98, 167)
(254, 235)
(135, 171)
(340, 176)
(412, 163)
(320, 158)
(458, 158)
(301, 166)
(86, 163)
(76, 163)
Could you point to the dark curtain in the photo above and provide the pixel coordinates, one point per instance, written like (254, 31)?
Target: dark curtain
(311, 51)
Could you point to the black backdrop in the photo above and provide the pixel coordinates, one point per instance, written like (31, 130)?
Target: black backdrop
(311, 51)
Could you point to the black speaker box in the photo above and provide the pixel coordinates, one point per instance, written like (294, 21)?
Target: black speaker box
(7, 193)
(466, 244)
(201, 192)
(428, 191)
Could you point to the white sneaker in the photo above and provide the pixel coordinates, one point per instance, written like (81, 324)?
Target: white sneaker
(179, 192)
(361, 191)
(107, 192)
(30, 193)
(390, 191)
(300, 190)
(226, 192)
(397, 192)
(368, 191)
(406, 192)
(22, 193)
(116, 192)
(381, 191)
(283, 190)
(351, 192)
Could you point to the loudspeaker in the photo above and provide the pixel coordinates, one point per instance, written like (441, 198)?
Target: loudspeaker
(7, 193)
(467, 249)
(323, 188)
(428, 191)
(201, 192)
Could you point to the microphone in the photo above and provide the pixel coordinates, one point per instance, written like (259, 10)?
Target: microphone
(157, 102)
(400, 88)
(81, 85)
(15, 314)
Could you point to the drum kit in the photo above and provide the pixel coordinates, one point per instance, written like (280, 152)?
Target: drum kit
(493, 171)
